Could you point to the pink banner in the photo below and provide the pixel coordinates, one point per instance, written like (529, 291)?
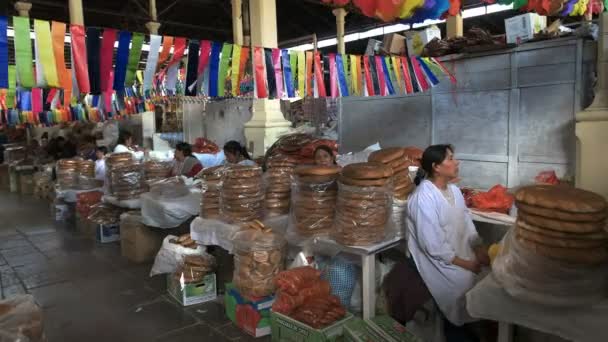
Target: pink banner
(278, 74)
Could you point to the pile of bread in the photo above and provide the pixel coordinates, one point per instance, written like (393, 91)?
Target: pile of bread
(363, 206)
(395, 158)
(156, 170)
(563, 223)
(76, 174)
(211, 190)
(279, 171)
(258, 257)
(242, 196)
(314, 199)
(194, 268)
(125, 176)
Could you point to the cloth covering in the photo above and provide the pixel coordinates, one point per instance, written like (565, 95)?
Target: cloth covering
(213, 233)
(138, 155)
(169, 213)
(70, 195)
(438, 232)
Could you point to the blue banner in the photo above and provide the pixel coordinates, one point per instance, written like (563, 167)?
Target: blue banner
(287, 75)
(341, 76)
(3, 52)
(214, 64)
(122, 60)
(387, 77)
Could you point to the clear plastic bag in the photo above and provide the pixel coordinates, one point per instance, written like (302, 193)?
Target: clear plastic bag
(125, 176)
(169, 188)
(258, 258)
(67, 174)
(21, 320)
(314, 202)
(362, 214)
(211, 187)
(242, 196)
(103, 213)
(194, 267)
(398, 214)
(277, 178)
(171, 256)
(531, 277)
(156, 170)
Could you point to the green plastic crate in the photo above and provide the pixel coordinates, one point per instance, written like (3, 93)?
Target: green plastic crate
(287, 329)
(377, 329)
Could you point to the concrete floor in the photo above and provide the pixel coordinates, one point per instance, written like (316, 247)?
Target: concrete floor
(88, 291)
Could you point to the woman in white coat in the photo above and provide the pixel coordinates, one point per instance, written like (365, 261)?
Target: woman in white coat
(125, 144)
(442, 238)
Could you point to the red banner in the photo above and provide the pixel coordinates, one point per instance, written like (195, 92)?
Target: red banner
(319, 76)
(203, 59)
(245, 51)
(166, 51)
(409, 88)
(309, 88)
(368, 77)
(333, 75)
(260, 73)
(79, 58)
(419, 74)
(107, 54)
(381, 78)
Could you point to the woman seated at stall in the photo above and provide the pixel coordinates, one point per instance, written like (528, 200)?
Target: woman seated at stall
(324, 156)
(125, 144)
(443, 242)
(237, 154)
(185, 163)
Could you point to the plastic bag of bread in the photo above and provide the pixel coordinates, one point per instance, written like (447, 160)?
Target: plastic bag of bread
(286, 303)
(314, 195)
(258, 257)
(242, 195)
(291, 281)
(67, 173)
(103, 213)
(172, 252)
(125, 176)
(211, 187)
(530, 276)
(169, 188)
(21, 320)
(155, 170)
(194, 267)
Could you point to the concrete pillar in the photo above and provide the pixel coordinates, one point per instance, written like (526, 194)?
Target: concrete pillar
(153, 25)
(267, 122)
(23, 8)
(237, 22)
(454, 26)
(76, 13)
(340, 14)
(592, 125)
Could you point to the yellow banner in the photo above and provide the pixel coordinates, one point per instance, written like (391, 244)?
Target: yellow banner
(301, 74)
(235, 69)
(44, 42)
(354, 76)
(397, 67)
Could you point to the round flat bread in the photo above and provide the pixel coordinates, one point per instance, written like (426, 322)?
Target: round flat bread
(315, 179)
(557, 241)
(562, 226)
(589, 256)
(598, 236)
(367, 171)
(561, 215)
(561, 197)
(317, 170)
(379, 182)
(386, 155)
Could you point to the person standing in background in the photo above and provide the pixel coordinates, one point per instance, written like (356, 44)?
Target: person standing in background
(100, 163)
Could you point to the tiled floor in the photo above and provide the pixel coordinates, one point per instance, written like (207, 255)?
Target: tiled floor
(88, 291)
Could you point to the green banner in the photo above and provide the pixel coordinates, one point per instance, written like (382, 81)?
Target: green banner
(136, 44)
(223, 73)
(23, 52)
(12, 86)
(235, 69)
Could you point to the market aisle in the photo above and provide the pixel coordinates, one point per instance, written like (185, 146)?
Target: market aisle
(88, 291)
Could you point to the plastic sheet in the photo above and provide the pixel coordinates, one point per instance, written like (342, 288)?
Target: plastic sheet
(127, 204)
(242, 196)
(357, 157)
(125, 176)
(103, 213)
(398, 214)
(314, 202)
(169, 188)
(155, 170)
(531, 277)
(211, 189)
(362, 214)
(214, 233)
(171, 256)
(21, 320)
(167, 213)
(259, 257)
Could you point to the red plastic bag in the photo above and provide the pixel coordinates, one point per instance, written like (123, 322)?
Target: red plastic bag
(286, 303)
(204, 145)
(547, 177)
(496, 199)
(293, 280)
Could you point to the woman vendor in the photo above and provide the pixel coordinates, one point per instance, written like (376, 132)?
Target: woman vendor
(185, 163)
(324, 156)
(444, 243)
(237, 154)
(125, 144)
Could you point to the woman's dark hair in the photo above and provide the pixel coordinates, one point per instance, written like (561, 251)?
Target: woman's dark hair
(235, 147)
(185, 148)
(326, 149)
(103, 150)
(123, 136)
(434, 155)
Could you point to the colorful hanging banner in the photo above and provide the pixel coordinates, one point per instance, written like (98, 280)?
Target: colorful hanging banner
(12, 86)
(278, 74)
(427, 71)
(235, 71)
(203, 64)
(67, 91)
(214, 64)
(192, 69)
(375, 75)
(293, 63)
(245, 52)
(58, 34)
(353, 74)
(122, 61)
(301, 73)
(79, 58)
(381, 75)
(445, 70)
(396, 62)
(166, 51)
(333, 76)
(387, 76)
(271, 82)
(260, 73)
(319, 81)
(106, 56)
(309, 73)
(342, 76)
(45, 56)
(419, 74)
(369, 84)
(137, 43)
(36, 100)
(223, 73)
(406, 75)
(23, 52)
(288, 71)
(3, 52)
(152, 61)
(94, 59)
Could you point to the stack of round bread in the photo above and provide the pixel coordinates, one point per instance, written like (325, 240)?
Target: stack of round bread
(67, 173)
(278, 184)
(86, 168)
(194, 269)
(242, 197)
(156, 170)
(394, 157)
(125, 176)
(258, 258)
(563, 223)
(211, 186)
(363, 204)
(314, 199)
